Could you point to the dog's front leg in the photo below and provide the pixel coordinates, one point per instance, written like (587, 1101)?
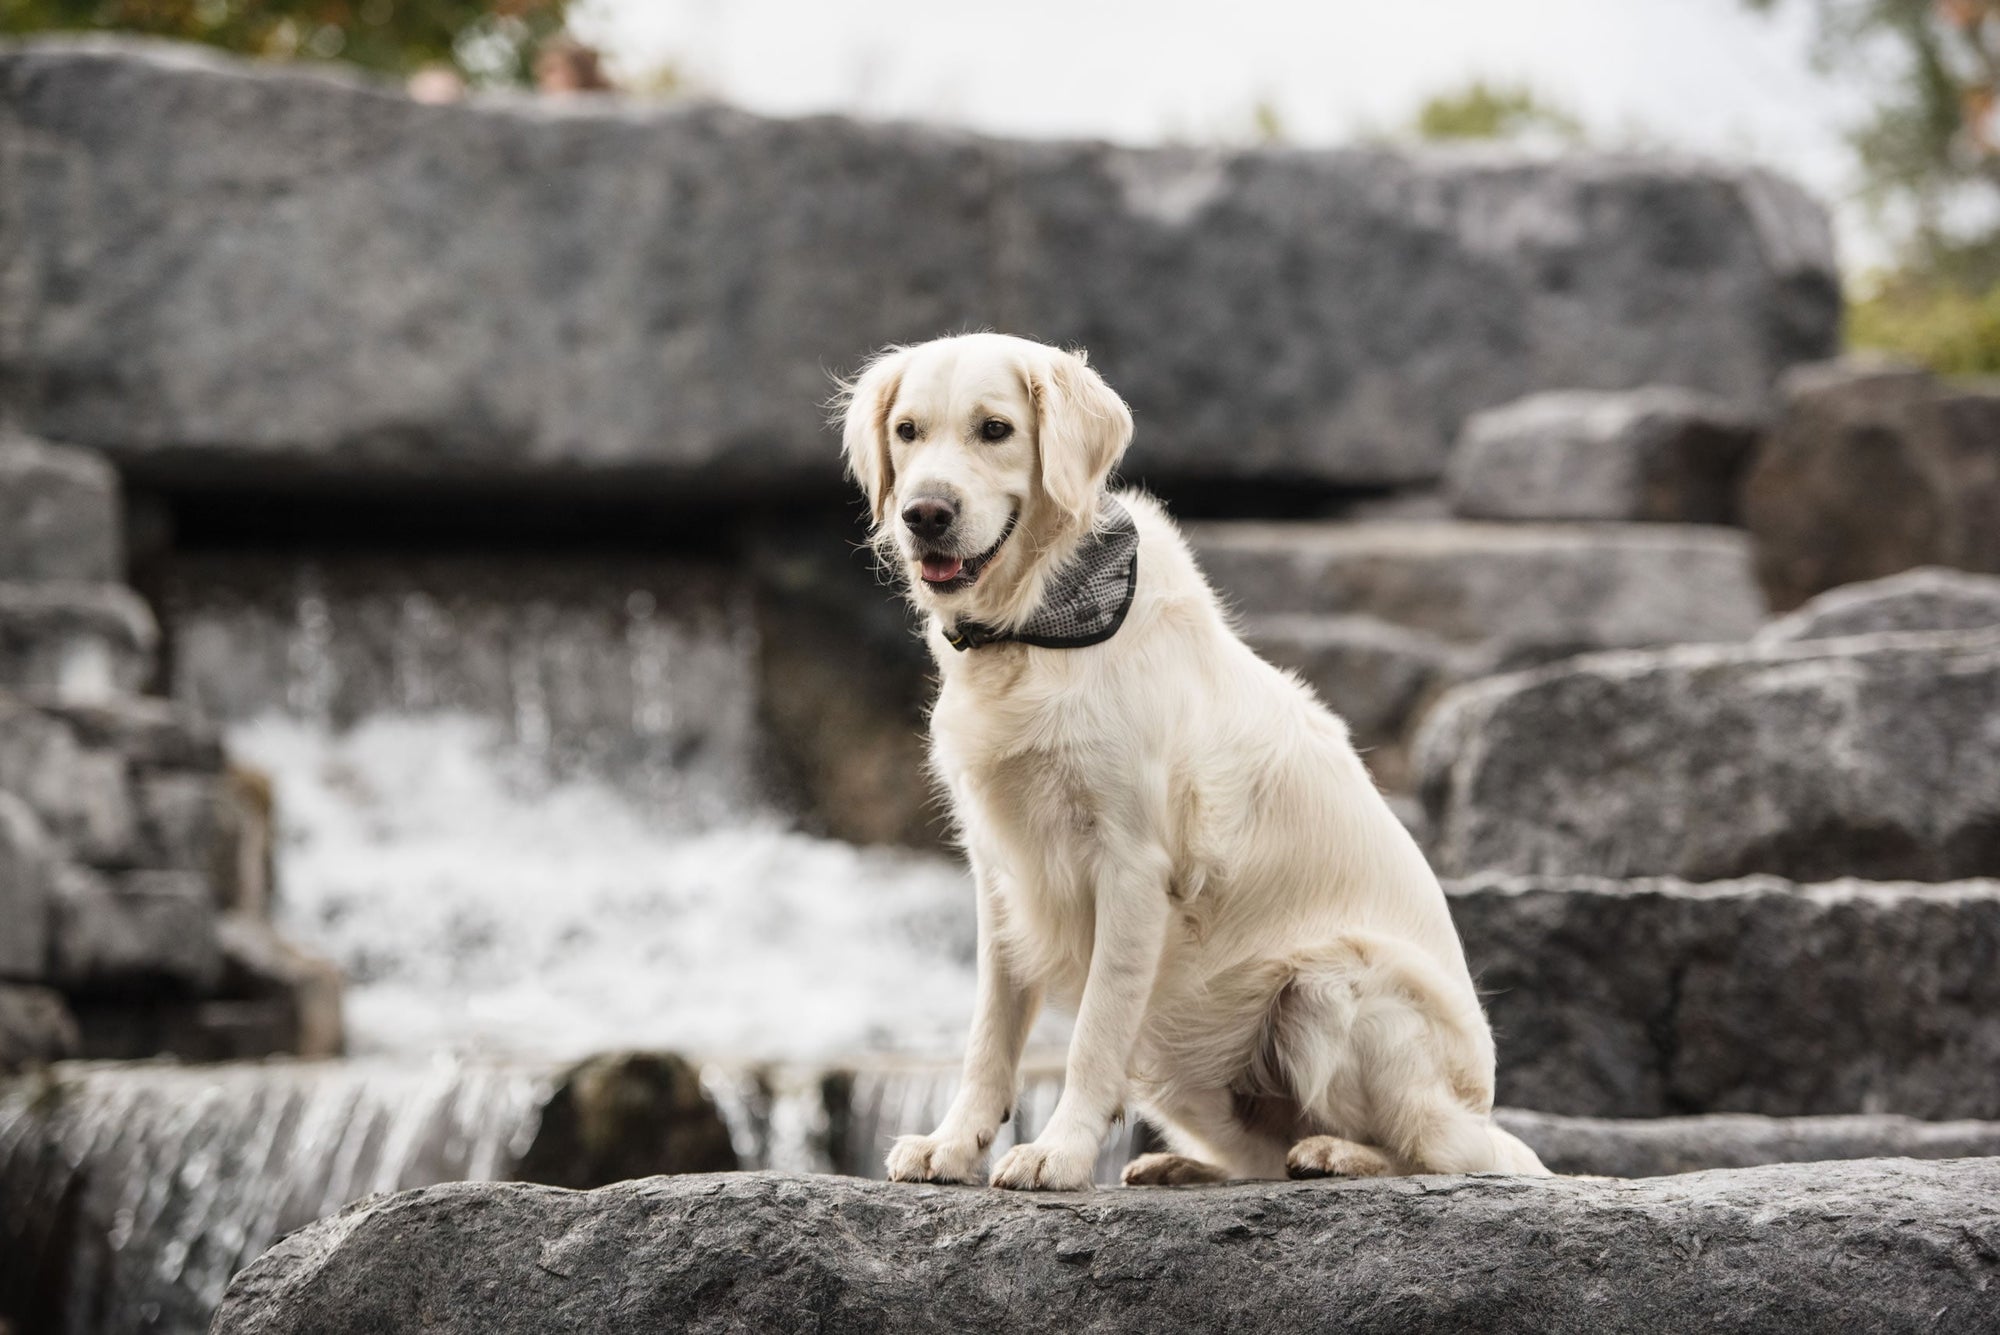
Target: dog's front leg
(1131, 931)
(1002, 1012)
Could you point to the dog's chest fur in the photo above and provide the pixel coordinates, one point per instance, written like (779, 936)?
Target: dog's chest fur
(1047, 787)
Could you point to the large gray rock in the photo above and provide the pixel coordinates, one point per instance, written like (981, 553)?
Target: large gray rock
(1659, 453)
(74, 641)
(1927, 598)
(216, 265)
(1522, 592)
(131, 783)
(1870, 1246)
(1651, 997)
(26, 865)
(59, 515)
(1874, 469)
(1659, 1146)
(141, 932)
(1869, 756)
(35, 1028)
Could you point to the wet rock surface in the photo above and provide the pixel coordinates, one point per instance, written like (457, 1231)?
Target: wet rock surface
(1867, 1246)
(1874, 756)
(1660, 454)
(1330, 316)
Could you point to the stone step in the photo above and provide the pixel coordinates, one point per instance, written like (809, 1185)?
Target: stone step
(1926, 598)
(1869, 756)
(75, 641)
(1529, 592)
(1326, 316)
(1662, 1146)
(1876, 1245)
(1660, 454)
(59, 513)
(1653, 997)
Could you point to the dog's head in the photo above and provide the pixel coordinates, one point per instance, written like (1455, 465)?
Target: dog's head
(982, 458)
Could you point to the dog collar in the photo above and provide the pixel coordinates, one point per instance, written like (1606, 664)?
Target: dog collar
(1085, 602)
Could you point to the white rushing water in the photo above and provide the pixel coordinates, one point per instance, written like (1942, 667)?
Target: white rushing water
(477, 904)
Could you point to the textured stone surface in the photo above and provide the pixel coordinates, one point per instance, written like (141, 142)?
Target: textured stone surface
(142, 932)
(74, 641)
(1927, 598)
(602, 287)
(1525, 592)
(26, 864)
(1865, 756)
(1870, 1246)
(1657, 1146)
(1650, 997)
(35, 1026)
(59, 516)
(1872, 470)
(1659, 453)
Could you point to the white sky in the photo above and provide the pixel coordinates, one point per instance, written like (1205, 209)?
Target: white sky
(1699, 74)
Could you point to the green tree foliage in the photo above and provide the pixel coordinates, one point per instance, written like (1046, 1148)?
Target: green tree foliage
(1482, 111)
(490, 42)
(1929, 152)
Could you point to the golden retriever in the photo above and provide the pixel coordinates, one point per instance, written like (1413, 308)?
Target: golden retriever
(1168, 835)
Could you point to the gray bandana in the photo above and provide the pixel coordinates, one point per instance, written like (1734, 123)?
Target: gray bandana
(1085, 601)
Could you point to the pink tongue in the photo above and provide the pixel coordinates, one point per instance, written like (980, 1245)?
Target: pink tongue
(939, 569)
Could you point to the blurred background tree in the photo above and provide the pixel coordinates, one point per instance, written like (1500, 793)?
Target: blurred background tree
(487, 42)
(1929, 153)
(1483, 111)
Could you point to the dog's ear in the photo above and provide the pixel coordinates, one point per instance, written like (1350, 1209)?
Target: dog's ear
(864, 404)
(1081, 429)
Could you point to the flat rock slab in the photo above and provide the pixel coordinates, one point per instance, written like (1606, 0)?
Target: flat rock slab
(1875, 756)
(1660, 454)
(1869, 1246)
(569, 289)
(1650, 997)
(1524, 592)
(1660, 1146)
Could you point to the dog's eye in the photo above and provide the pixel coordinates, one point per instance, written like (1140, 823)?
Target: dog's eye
(995, 429)
(906, 430)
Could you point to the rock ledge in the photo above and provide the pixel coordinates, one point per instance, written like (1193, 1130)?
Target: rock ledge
(1873, 1245)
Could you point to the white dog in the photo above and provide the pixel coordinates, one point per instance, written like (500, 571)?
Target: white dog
(1167, 834)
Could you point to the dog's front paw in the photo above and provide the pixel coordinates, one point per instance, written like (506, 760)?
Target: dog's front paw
(935, 1159)
(1039, 1167)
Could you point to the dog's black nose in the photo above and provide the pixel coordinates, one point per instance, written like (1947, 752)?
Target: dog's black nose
(929, 517)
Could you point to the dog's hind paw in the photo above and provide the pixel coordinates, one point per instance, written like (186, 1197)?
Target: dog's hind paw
(1331, 1156)
(934, 1159)
(1039, 1167)
(1170, 1170)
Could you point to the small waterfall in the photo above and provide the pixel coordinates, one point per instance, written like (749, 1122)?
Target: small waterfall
(841, 1120)
(141, 1189)
(517, 805)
